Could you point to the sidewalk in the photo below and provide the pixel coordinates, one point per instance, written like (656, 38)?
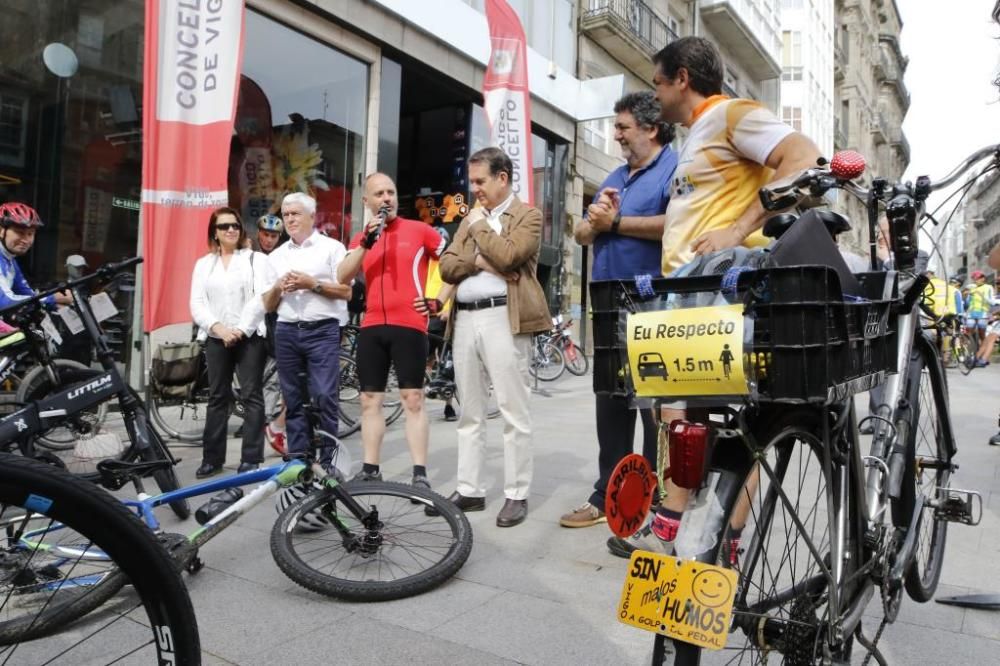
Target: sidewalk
(538, 593)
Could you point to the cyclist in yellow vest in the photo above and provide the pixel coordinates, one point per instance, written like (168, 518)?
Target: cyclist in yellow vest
(980, 300)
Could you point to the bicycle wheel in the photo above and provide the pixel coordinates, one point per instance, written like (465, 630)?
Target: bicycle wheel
(548, 363)
(576, 361)
(68, 548)
(961, 351)
(37, 385)
(392, 406)
(405, 552)
(927, 471)
(349, 403)
(177, 418)
(782, 601)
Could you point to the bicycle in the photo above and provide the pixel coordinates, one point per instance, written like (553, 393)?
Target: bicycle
(19, 349)
(359, 541)
(51, 406)
(54, 527)
(547, 361)
(576, 360)
(183, 418)
(800, 525)
(439, 383)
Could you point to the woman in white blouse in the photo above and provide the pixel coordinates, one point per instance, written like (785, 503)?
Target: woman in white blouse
(225, 304)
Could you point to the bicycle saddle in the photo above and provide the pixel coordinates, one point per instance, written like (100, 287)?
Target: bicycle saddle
(116, 473)
(777, 225)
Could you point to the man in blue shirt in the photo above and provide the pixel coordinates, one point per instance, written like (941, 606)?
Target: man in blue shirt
(625, 227)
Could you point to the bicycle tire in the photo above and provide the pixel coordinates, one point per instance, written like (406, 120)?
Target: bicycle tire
(576, 361)
(547, 362)
(961, 350)
(392, 408)
(169, 416)
(401, 511)
(36, 385)
(792, 452)
(105, 532)
(349, 397)
(928, 399)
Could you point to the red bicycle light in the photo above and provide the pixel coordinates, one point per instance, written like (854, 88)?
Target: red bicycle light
(688, 450)
(847, 164)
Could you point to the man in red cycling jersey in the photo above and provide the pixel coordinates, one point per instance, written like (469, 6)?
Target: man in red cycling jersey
(394, 253)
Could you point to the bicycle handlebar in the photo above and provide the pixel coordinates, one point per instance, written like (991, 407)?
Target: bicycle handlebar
(818, 180)
(106, 271)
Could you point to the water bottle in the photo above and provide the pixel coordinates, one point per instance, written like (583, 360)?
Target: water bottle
(217, 504)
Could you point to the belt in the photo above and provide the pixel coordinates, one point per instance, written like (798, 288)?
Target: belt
(310, 325)
(482, 303)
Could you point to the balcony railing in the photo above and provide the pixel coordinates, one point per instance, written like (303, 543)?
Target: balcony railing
(633, 17)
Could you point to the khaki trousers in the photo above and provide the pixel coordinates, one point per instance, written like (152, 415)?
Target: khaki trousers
(486, 352)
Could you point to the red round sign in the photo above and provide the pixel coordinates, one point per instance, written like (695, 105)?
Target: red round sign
(629, 495)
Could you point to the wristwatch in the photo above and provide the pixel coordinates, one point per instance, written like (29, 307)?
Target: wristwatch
(615, 223)
(317, 288)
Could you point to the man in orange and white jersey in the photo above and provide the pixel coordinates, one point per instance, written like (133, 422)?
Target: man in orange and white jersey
(733, 147)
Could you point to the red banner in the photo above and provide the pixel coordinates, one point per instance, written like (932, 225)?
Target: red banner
(193, 55)
(506, 96)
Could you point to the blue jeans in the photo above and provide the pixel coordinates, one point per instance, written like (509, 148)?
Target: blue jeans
(309, 365)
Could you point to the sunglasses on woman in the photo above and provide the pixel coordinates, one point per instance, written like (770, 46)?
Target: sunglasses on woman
(227, 226)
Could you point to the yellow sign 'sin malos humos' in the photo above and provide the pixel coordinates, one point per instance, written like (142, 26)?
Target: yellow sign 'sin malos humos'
(687, 352)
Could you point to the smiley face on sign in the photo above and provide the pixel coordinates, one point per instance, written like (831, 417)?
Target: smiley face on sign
(711, 588)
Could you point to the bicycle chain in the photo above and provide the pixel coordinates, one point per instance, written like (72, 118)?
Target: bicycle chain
(873, 646)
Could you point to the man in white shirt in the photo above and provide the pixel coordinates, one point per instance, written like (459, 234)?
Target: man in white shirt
(311, 307)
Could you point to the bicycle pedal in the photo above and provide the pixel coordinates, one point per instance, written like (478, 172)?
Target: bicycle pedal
(195, 565)
(960, 506)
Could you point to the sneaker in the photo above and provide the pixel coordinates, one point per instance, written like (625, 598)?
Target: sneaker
(449, 413)
(980, 363)
(276, 440)
(644, 539)
(367, 476)
(422, 482)
(584, 515)
(995, 440)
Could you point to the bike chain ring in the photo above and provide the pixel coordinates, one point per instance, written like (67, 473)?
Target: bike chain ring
(800, 633)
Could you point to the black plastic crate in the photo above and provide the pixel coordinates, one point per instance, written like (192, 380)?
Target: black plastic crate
(809, 343)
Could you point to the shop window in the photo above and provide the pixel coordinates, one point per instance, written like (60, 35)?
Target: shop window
(13, 128)
(300, 126)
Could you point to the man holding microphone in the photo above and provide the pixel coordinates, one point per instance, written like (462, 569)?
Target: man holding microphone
(394, 253)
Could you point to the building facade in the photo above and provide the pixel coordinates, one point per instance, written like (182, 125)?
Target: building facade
(981, 214)
(807, 54)
(871, 98)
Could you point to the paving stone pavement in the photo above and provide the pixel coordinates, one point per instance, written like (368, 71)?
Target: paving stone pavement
(538, 593)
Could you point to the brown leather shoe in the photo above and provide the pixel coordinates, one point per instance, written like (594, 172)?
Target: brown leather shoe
(467, 503)
(513, 513)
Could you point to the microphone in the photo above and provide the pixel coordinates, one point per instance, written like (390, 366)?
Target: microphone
(373, 235)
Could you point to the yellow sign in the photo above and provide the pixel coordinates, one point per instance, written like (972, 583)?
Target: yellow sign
(687, 352)
(685, 600)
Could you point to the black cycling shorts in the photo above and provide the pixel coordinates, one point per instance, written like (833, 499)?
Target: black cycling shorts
(402, 347)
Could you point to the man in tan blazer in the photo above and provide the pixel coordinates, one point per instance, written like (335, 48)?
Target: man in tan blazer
(498, 305)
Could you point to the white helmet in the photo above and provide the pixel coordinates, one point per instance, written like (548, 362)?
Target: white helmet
(310, 522)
